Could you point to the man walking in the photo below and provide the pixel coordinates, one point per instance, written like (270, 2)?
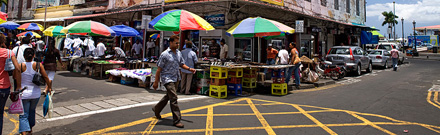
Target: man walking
(395, 58)
(190, 58)
(168, 70)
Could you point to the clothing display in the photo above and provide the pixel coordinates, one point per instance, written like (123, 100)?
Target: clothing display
(140, 74)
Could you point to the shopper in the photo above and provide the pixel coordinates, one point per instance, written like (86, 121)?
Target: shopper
(32, 94)
(294, 61)
(271, 54)
(190, 58)
(100, 49)
(223, 49)
(5, 84)
(395, 58)
(168, 66)
(50, 57)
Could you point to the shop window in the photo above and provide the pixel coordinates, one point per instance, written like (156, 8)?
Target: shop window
(324, 2)
(243, 49)
(347, 5)
(357, 8)
(210, 47)
(29, 4)
(336, 4)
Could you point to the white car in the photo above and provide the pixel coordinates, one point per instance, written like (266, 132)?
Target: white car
(389, 46)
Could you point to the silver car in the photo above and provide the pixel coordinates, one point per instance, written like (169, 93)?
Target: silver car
(380, 57)
(355, 58)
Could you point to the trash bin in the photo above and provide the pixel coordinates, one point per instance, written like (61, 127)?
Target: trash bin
(434, 49)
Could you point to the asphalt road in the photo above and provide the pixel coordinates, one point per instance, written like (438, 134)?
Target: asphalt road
(382, 102)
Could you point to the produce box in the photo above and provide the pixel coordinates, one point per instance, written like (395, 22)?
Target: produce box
(127, 80)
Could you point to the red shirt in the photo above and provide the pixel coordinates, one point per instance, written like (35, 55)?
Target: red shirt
(4, 77)
(271, 54)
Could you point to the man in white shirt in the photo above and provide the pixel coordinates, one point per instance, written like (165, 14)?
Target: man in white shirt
(100, 49)
(283, 56)
(137, 47)
(150, 47)
(223, 49)
(19, 50)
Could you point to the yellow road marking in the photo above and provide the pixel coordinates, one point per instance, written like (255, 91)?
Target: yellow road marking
(209, 121)
(428, 98)
(260, 117)
(150, 127)
(254, 104)
(315, 120)
(16, 122)
(251, 114)
(370, 123)
(316, 89)
(436, 98)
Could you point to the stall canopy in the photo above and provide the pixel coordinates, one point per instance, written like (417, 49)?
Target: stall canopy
(155, 36)
(29, 32)
(90, 28)
(54, 31)
(375, 32)
(31, 26)
(124, 31)
(258, 27)
(179, 20)
(9, 25)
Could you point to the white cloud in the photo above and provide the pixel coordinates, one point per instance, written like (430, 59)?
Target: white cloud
(424, 11)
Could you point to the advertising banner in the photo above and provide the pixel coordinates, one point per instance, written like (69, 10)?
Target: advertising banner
(434, 40)
(216, 20)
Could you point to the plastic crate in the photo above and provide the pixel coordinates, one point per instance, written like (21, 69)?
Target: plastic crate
(279, 89)
(112, 78)
(234, 80)
(249, 84)
(127, 81)
(218, 72)
(279, 80)
(235, 72)
(278, 73)
(249, 80)
(203, 82)
(250, 71)
(250, 76)
(218, 91)
(202, 90)
(218, 81)
(235, 87)
(203, 74)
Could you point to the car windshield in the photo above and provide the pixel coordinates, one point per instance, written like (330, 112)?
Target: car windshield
(340, 51)
(386, 47)
(376, 52)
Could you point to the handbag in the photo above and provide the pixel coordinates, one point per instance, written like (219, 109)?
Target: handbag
(9, 66)
(38, 79)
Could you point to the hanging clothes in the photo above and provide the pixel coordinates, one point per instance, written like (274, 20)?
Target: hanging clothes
(77, 42)
(68, 43)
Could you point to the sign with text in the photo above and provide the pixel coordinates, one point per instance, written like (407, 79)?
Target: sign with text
(216, 20)
(299, 26)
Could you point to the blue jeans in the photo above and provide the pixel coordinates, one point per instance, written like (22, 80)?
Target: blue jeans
(395, 63)
(4, 94)
(27, 120)
(294, 69)
(269, 62)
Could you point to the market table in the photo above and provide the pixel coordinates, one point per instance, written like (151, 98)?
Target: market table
(104, 64)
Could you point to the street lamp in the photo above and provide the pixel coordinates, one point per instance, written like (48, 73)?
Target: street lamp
(403, 36)
(415, 38)
(394, 24)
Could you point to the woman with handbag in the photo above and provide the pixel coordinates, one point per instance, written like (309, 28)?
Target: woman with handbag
(33, 75)
(8, 58)
(51, 55)
(294, 61)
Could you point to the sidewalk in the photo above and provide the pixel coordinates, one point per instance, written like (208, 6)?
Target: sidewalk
(425, 56)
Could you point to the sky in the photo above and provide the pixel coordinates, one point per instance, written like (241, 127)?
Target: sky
(423, 12)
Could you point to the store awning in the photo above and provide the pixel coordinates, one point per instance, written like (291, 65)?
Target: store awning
(367, 28)
(42, 20)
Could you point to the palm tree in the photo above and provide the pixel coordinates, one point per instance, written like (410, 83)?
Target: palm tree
(390, 19)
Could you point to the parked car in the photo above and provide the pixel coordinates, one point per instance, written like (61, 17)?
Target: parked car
(389, 46)
(380, 57)
(355, 58)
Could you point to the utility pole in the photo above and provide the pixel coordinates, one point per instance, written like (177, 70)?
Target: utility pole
(394, 24)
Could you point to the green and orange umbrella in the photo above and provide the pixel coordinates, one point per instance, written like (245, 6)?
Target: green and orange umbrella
(179, 20)
(91, 28)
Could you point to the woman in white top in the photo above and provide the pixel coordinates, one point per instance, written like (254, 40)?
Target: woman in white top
(32, 94)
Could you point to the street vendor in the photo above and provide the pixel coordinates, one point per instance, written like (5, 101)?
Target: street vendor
(100, 49)
(137, 49)
(271, 54)
(127, 47)
(118, 52)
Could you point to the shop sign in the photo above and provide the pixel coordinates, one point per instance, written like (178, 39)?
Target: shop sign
(299, 26)
(216, 20)
(275, 2)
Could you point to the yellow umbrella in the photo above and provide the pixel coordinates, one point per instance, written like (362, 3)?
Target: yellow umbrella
(54, 31)
(374, 32)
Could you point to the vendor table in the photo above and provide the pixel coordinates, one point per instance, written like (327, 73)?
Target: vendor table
(104, 64)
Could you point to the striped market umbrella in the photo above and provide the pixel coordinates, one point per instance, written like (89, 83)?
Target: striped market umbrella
(90, 28)
(155, 36)
(3, 17)
(9, 25)
(125, 31)
(29, 32)
(54, 31)
(179, 20)
(258, 27)
(31, 26)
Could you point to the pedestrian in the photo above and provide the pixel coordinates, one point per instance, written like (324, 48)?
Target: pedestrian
(168, 70)
(137, 49)
(32, 94)
(127, 47)
(223, 49)
(395, 58)
(283, 58)
(5, 84)
(190, 58)
(296, 62)
(100, 49)
(150, 48)
(271, 54)
(18, 51)
(51, 55)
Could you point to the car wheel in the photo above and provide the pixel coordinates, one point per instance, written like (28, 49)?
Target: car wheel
(358, 70)
(385, 66)
(370, 68)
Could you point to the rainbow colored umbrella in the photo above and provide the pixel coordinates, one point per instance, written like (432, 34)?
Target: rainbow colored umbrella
(258, 27)
(31, 26)
(155, 36)
(9, 25)
(29, 32)
(178, 20)
(91, 28)
(54, 31)
(3, 17)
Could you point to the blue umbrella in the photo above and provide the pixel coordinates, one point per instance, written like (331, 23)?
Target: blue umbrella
(125, 31)
(9, 25)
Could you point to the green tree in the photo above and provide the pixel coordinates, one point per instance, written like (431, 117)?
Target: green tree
(390, 19)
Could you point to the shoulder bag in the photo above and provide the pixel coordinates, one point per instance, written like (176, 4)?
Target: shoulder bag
(38, 79)
(9, 66)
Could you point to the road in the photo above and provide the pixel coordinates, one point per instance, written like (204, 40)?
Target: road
(382, 102)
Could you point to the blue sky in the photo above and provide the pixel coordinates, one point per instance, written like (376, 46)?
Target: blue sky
(424, 12)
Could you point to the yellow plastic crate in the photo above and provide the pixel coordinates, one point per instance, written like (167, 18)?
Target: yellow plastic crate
(235, 72)
(218, 91)
(250, 71)
(218, 72)
(279, 89)
(250, 84)
(249, 79)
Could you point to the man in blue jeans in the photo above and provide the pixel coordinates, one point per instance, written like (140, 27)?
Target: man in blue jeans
(271, 54)
(395, 58)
